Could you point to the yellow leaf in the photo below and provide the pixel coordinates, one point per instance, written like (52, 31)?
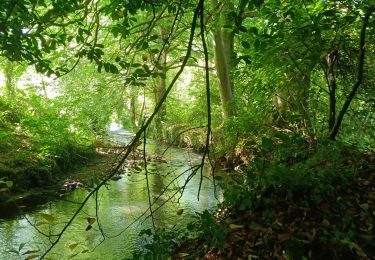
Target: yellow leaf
(234, 226)
(284, 237)
(365, 206)
(41, 223)
(47, 217)
(183, 254)
(91, 220)
(325, 223)
(31, 257)
(72, 246)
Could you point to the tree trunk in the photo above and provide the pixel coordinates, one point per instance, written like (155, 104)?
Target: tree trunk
(360, 70)
(224, 45)
(331, 81)
(133, 109)
(160, 88)
(10, 80)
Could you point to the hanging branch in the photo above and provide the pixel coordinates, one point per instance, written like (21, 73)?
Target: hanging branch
(137, 135)
(147, 182)
(97, 217)
(359, 80)
(208, 96)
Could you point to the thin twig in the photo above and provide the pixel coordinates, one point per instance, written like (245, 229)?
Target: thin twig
(147, 182)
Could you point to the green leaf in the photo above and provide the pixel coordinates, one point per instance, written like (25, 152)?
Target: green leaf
(253, 30)
(266, 143)
(13, 251)
(234, 226)
(246, 45)
(218, 178)
(21, 246)
(145, 45)
(257, 44)
(96, 181)
(258, 3)
(30, 252)
(100, 65)
(242, 28)
(113, 69)
(47, 217)
(107, 66)
(72, 246)
(153, 37)
(154, 51)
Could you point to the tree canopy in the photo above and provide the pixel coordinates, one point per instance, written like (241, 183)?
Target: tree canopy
(232, 79)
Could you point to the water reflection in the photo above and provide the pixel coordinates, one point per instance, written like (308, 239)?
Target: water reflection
(120, 206)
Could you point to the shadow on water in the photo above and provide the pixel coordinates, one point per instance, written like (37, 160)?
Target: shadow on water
(123, 210)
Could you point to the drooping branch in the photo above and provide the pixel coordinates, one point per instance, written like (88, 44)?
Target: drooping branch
(359, 80)
(147, 180)
(208, 96)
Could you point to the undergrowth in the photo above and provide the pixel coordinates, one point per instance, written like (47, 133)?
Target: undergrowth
(37, 143)
(297, 199)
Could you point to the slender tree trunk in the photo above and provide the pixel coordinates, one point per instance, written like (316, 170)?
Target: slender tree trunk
(161, 85)
(133, 109)
(331, 81)
(10, 80)
(360, 70)
(224, 51)
(160, 88)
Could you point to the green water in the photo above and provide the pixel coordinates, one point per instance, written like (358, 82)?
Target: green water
(121, 206)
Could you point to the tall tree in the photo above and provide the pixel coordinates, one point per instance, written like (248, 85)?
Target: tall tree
(223, 38)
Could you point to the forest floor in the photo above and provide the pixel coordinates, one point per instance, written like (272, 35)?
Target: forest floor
(329, 213)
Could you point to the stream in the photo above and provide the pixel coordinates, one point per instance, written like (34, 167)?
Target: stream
(121, 205)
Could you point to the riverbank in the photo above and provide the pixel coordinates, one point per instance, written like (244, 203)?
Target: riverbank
(317, 207)
(51, 185)
(292, 200)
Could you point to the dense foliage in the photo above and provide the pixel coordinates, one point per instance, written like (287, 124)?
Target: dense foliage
(280, 92)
